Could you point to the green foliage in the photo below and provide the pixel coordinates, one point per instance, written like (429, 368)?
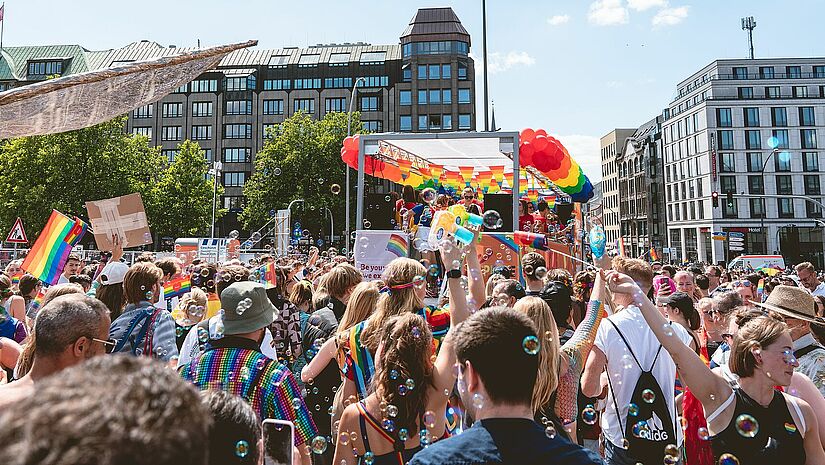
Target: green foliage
(307, 154)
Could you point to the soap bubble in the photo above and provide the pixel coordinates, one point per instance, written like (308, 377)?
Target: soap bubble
(492, 220)
(234, 234)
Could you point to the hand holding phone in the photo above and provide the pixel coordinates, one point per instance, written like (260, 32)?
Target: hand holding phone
(279, 442)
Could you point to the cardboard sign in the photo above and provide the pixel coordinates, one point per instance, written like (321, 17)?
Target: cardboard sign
(374, 250)
(122, 216)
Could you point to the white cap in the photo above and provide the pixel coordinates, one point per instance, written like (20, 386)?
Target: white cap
(113, 273)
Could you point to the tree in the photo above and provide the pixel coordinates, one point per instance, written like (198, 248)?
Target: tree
(63, 171)
(181, 203)
(300, 160)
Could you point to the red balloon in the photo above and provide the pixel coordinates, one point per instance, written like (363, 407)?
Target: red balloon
(553, 150)
(541, 143)
(525, 154)
(555, 163)
(527, 135)
(541, 132)
(541, 162)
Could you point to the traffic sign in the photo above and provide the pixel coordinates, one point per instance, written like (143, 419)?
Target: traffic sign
(17, 235)
(737, 248)
(736, 234)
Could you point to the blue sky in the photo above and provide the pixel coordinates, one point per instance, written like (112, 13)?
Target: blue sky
(576, 68)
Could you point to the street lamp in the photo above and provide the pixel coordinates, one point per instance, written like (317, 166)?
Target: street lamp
(764, 208)
(346, 167)
(331, 227)
(215, 171)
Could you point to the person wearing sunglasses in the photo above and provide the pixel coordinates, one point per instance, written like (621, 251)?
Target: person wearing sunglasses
(68, 330)
(746, 289)
(468, 197)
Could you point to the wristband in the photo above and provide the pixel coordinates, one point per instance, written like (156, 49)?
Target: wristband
(454, 273)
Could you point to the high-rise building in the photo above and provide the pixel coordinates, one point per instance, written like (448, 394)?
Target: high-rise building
(425, 83)
(612, 144)
(740, 129)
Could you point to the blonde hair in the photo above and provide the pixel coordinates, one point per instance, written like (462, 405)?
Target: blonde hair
(197, 297)
(547, 379)
(397, 301)
(360, 307)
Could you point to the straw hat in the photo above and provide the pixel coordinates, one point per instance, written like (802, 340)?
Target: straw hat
(792, 302)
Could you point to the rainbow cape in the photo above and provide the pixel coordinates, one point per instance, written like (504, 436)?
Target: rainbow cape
(397, 245)
(268, 276)
(47, 257)
(177, 286)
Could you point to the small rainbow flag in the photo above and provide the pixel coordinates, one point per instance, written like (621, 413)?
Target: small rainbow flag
(54, 244)
(397, 245)
(213, 305)
(268, 276)
(15, 279)
(177, 286)
(653, 255)
(37, 301)
(551, 201)
(760, 288)
(620, 247)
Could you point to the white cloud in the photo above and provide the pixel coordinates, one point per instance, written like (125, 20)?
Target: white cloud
(499, 62)
(614, 84)
(586, 151)
(642, 5)
(670, 16)
(607, 13)
(558, 20)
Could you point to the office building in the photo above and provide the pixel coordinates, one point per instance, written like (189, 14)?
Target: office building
(611, 144)
(425, 83)
(741, 128)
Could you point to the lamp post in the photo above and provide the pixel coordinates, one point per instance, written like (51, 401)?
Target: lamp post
(331, 226)
(346, 167)
(215, 172)
(764, 208)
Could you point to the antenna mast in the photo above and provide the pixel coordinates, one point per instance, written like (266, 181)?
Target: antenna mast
(749, 24)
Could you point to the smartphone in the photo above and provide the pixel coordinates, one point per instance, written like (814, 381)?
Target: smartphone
(279, 439)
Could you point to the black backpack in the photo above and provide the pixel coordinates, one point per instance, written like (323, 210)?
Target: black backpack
(653, 427)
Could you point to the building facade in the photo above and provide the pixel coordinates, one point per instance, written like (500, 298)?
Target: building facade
(425, 83)
(737, 130)
(611, 144)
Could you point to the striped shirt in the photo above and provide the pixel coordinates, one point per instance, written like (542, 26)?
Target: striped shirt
(159, 340)
(236, 365)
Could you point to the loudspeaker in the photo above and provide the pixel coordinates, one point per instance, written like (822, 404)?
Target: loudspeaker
(564, 211)
(379, 212)
(503, 204)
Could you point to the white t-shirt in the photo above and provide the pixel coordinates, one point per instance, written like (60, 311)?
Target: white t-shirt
(191, 346)
(820, 290)
(62, 279)
(619, 361)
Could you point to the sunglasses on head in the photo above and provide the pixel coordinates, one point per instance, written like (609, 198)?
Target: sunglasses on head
(744, 283)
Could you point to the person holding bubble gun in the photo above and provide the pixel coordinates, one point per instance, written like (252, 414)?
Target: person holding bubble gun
(447, 222)
(464, 218)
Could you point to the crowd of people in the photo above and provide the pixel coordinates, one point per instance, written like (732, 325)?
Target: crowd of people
(625, 362)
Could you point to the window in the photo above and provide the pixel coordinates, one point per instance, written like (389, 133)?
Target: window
(727, 184)
(199, 109)
(406, 123)
(308, 83)
(237, 131)
(793, 72)
(812, 184)
(422, 97)
(819, 71)
(238, 107)
(171, 133)
(731, 211)
(172, 110)
(266, 128)
(278, 61)
(146, 111)
(723, 118)
(462, 71)
(435, 96)
(306, 105)
(423, 122)
(181, 90)
(274, 107)
(405, 97)
(169, 154)
(464, 121)
(740, 72)
(756, 208)
(142, 131)
(422, 71)
(339, 59)
(772, 92)
(726, 140)
(446, 96)
(463, 95)
(446, 71)
(751, 117)
(338, 83)
(204, 85)
(373, 58)
(234, 178)
(435, 121)
(784, 185)
(435, 71)
(754, 161)
(201, 132)
(376, 81)
(435, 48)
(369, 103)
(756, 185)
(237, 155)
(808, 138)
(446, 121)
(45, 68)
(779, 117)
(308, 60)
(813, 210)
(277, 84)
(338, 104)
(810, 161)
(753, 140)
(800, 91)
(766, 72)
(374, 126)
(240, 83)
(745, 92)
(786, 208)
(406, 74)
(207, 154)
(781, 136)
(806, 116)
(782, 161)
(727, 163)
(234, 203)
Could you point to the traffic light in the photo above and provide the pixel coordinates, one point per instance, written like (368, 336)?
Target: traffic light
(730, 199)
(715, 197)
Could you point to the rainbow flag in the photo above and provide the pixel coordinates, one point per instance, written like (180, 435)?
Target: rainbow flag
(268, 276)
(760, 288)
(653, 255)
(37, 302)
(551, 201)
(620, 247)
(54, 244)
(397, 245)
(15, 279)
(177, 286)
(213, 305)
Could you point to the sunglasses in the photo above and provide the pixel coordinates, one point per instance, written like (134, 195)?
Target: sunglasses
(109, 344)
(745, 283)
(468, 197)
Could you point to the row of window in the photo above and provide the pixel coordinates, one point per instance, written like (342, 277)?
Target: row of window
(244, 83)
(308, 60)
(768, 72)
(779, 117)
(45, 68)
(438, 121)
(434, 71)
(777, 140)
(435, 48)
(171, 154)
(782, 162)
(773, 92)
(785, 209)
(784, 184)
(434, 96)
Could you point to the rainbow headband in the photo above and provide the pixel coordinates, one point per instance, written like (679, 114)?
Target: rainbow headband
(398, 287)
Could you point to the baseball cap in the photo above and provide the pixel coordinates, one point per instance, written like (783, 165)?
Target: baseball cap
(113, 273)
(246, 308)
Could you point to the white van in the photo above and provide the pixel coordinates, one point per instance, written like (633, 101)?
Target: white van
(754, 262)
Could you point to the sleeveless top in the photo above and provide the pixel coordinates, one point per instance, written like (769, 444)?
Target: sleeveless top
(390, 458)
(776, 439)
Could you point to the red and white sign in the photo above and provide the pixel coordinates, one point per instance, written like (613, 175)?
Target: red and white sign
(17, 235)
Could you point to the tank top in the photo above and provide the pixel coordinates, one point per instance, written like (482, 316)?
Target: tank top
(778, 439)
(390, 458)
